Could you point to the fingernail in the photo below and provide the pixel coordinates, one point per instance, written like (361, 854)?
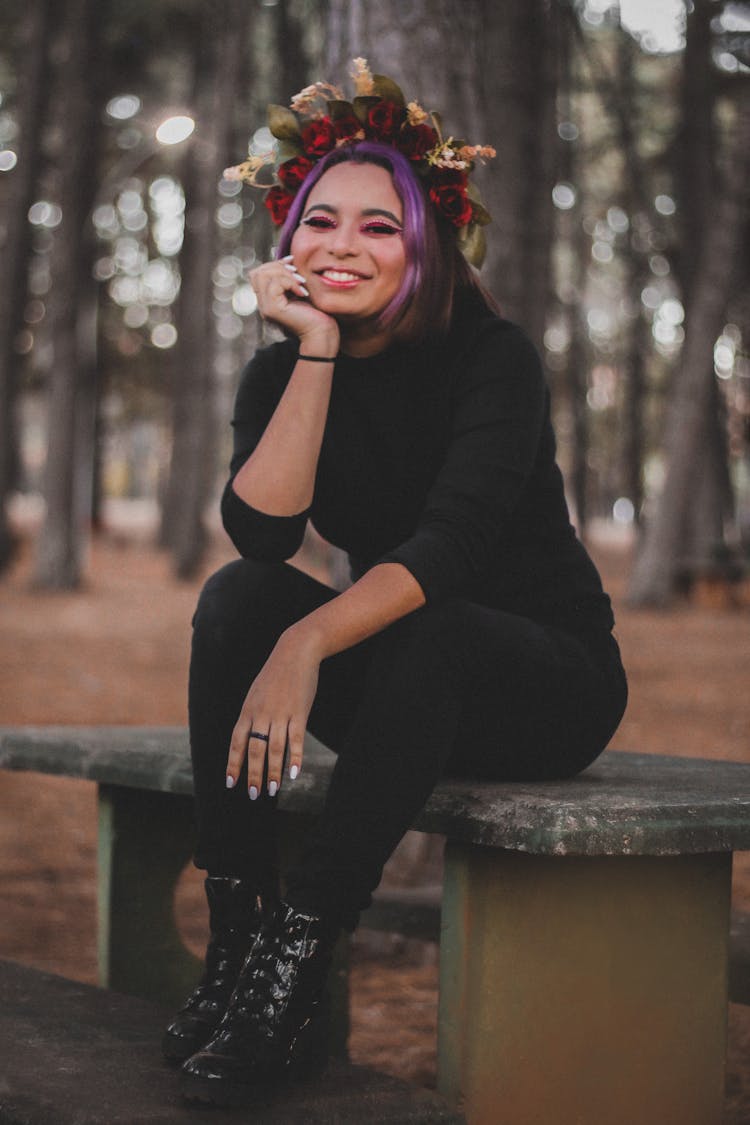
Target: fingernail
(288, 258)
(272, 787)
(304, 290)
(252, 793)
(294, 770)
(230, 782)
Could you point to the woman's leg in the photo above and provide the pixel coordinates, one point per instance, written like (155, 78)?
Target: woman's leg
(451, 688)
(242, 611)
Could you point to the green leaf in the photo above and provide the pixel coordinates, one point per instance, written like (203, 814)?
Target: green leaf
(387, 89)
(287, 150)
(473, 244)
(337, 110)
(283, 123)
(480, 212)
(362, 104)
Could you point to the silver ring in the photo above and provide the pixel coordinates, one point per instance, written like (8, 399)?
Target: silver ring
(256, 734)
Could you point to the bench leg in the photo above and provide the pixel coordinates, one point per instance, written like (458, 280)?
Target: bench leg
(144, 843)
(581, 990)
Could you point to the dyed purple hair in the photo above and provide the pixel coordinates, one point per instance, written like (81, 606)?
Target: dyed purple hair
(424, 281)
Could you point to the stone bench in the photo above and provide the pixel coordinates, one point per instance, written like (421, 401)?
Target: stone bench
(584, 929)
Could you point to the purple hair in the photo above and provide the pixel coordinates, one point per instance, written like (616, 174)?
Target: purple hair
(424, 259)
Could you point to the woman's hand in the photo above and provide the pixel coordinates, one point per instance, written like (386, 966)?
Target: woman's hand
(277, 706)
(283, 298)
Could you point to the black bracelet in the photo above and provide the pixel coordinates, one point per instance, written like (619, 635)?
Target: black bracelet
(317, 358)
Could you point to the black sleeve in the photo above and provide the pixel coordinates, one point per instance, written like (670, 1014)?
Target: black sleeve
(256, 534)
(498, 412)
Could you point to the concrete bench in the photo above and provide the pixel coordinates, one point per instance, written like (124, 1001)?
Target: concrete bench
(584, 932)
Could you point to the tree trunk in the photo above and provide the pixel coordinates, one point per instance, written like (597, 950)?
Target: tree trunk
(33, 85)
(222, 50)
(519, 52)
(696, 151)
(60, 544)
(653, 578)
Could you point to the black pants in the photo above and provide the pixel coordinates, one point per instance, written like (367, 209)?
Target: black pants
(455, 688)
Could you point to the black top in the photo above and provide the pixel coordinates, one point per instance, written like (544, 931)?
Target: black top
(440, 457)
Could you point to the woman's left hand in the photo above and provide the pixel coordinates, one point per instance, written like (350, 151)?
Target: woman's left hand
(277, 705)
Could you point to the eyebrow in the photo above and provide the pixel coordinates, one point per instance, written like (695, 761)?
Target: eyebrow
(366, 213)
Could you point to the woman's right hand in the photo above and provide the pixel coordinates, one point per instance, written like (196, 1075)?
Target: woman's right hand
(284, 299)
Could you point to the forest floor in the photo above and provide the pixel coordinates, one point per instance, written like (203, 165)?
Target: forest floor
(116, 652)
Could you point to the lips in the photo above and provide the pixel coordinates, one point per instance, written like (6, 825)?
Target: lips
(341, 277)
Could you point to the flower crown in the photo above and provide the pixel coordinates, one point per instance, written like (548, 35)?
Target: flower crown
(321, 120)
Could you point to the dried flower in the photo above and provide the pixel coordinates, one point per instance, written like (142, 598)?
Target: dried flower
(477, 152)
(415, 114)
(445, 156)
(305, 101)
(362, 77)
(247, 171)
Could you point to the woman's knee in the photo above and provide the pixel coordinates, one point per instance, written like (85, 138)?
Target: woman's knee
(227, 599)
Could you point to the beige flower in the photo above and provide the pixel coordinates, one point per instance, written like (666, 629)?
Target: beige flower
(310, 101)
(362, 76)
(247, 171)
(415, 114)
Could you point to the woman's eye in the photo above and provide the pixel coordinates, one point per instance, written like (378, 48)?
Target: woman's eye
(381, 228)
(318, 222)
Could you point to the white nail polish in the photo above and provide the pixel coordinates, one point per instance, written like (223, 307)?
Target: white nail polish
(291, 268)
(304, 290)
(294, 770)
(252, 793)
(288, 258)
(230, 782)
(272, 787)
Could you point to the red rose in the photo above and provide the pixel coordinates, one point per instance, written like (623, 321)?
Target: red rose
(450, 176)
(319, 137)
(452, 201)
(347, 128)
(278, 203)
(415, 140)
(292, 172)
(384, 121)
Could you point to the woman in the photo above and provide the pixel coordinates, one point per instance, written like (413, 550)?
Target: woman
(410, 422)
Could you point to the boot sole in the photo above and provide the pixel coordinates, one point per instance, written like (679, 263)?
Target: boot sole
(228, 1094)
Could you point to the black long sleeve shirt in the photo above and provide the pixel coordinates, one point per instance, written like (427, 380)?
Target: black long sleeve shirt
(440, 457)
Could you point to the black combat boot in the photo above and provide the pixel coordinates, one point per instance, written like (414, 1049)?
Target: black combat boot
(235, 913)
(274, 1026)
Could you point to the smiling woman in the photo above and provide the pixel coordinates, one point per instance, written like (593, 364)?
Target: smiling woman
(410, 423)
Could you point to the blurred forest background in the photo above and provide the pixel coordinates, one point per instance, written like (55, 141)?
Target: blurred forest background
(620, 235)
(620, 203)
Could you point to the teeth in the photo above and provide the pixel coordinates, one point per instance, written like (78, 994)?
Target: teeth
(339, 275)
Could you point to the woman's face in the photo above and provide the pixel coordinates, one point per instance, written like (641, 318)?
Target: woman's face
(349, 243)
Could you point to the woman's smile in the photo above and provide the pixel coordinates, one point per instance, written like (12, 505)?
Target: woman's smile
(345, 278)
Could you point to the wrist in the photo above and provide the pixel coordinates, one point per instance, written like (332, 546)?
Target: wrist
(320, 343)
(304, 638)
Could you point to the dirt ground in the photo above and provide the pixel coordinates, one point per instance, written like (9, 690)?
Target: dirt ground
(116, 652)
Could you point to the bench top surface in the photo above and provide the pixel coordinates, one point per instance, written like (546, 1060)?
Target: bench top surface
(624, 804)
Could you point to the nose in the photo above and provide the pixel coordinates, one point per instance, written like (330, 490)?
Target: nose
(343, 240)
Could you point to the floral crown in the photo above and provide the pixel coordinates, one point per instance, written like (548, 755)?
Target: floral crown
(321, 120)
